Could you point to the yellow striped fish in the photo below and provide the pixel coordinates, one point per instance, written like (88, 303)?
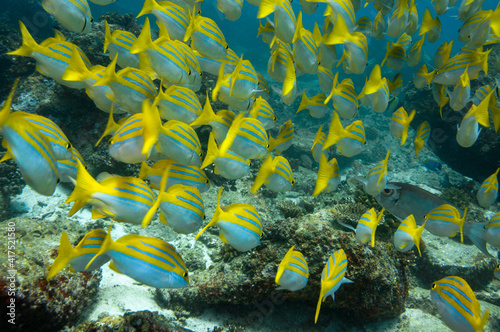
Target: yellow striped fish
(122, 198)
(244, 82)
(284, 139)
(305, 49)
(281, 55)
(178, 174)
(457, 305)
(395, 85)
(488, 192)
(408, 235)
(230, 8)
(52, 59)
(316, 105)
(325, 78)
(376, 179)
(395, 56)
(376, 91)
(461, 93)
(181, 207)
(120, 42)
(481, 94)
(178, 103)
(468, 130)
(67, 168)
(264, 88)
(431, 27)
(344, 97)
(332, 277)
(74, 15)
(173, 16)
(443, 54)
(251, 141)
(240, 225)
(293, 271)
(396, 24)
(364, 25)
(445, 220)
(276, 173)
(422, 136)
(179, 142)
(262, 111)
(148, 260)
(351, 139)
(267, 31)
(423, 77)
(31, 151)
(328, 176)
(206, 37)
(400, 122)
(78, 257)
(367, 225)
(129, 87)
(378, 27)
(219, 122)
(284, 17)
(412, 25)
(164, 55)
(327, 53)
(450, 72)
(317, 148)
(343, 9)
(415, 53)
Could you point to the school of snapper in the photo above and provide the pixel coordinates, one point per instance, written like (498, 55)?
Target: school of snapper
(162, 122)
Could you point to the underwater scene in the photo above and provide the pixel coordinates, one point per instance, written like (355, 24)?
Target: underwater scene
(259, 165)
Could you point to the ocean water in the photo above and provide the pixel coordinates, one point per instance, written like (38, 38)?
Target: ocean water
(231, 290)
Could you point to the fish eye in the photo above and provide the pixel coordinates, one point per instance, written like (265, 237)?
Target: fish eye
(201, 154)
(206, 181)
(198, 12)
(189, 73)
(433, 286)
(185, 274)
(58, 180)
(267, 146)
(68, 146)
(293, 182)
(91, 20)
(227, 46)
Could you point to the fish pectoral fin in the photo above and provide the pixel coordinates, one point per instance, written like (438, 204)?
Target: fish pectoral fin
(113, 267)
(223, 238)
(96, 214)
(163, 219)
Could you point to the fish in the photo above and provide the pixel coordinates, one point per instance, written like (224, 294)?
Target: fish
(52, 59)
(376, 179)
(397, 22)
(178, 103)
(364, 25)
(67, 167)
(264, 88)
(468, 131)
(432, 165)
(230, 8)
(496, 273)
(328, 176)
(78, 257)
(119, 43)
(474, 60)
(351, 139)
(415, 53)
(325, 78)
(412, 25)
(240, 225)
(421, 136)
(284, 139)
(31, 151)
(461, 93)
(178, 174)
(376, 91)
(395, 85)
(173, 16)
(443, 54)
(308, 7)
(327, 53)
(378, 26)
(344, 98)
(317, 148)
(262, 111)
(293, 271)
(402, 199)
(73, 15)
(281, 55)
(457, 305)
(395, 56)
(148, 260)
(332, 277)
(408, 235)
(315, 105)
(305, 49)
(400, 122)
(251, 141)
(219, 122)
(134, 137)
(284, 17)
(276, 173)
(206, 37)
(367, 225)
(267, 31)
(179, 142)
(481, 94)
(431, 27)
(440, 95)
(129, 87)
(122, 198)
(340, 10)
(181, 207)
(445, 220)
(483, 233)
(244, 82)
(165, 57)
(423, 77)
(488, 192)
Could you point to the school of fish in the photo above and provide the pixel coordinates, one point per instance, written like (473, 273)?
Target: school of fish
(156, 87)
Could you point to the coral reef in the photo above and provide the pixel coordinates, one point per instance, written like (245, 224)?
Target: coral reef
(42, 305)
(289, 208)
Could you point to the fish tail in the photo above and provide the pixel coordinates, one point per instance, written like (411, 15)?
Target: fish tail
(85, 186)
(477, 233)
(63, 256)
(145, 66)
(28, 46)
(404, 135)
(212, 151)
(111, 127)
(266, 7)
(76, 70)
(334, 88)
(206, 116)
(318, 307)
(335, 132)
(304, 102)
(191, 26)
(107, 36)
(144, 41)
(231, 133)
(338, 33)
(5, 112)
(109, 73)
(290, 76)
(151, 123)
(163, 185)
(144, 171)
(484, 318)
(105, 246)
(265, 170)
(324, 174)
(417, 235)
(148, 7)
(461, 226)
(495, 22)
(218, 85)
(215, 216)
(481, 111)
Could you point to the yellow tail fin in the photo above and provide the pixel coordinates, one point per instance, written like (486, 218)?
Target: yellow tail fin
(265, 170)
(417, 235)
(206, 116)
(109, 74)
(106, 245)
(304, 102)
(404, 135)
(63, 256)
(107, 36)
(144, 41)
(86, 185)
(151, 123)
(212, 151)
(298, 27)
(76, 70)
(29, 44)
(163, 185)
(5, 112)
(111, 126)
(335, 133)
(266, 7)
(148, 7)
(215, 217)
